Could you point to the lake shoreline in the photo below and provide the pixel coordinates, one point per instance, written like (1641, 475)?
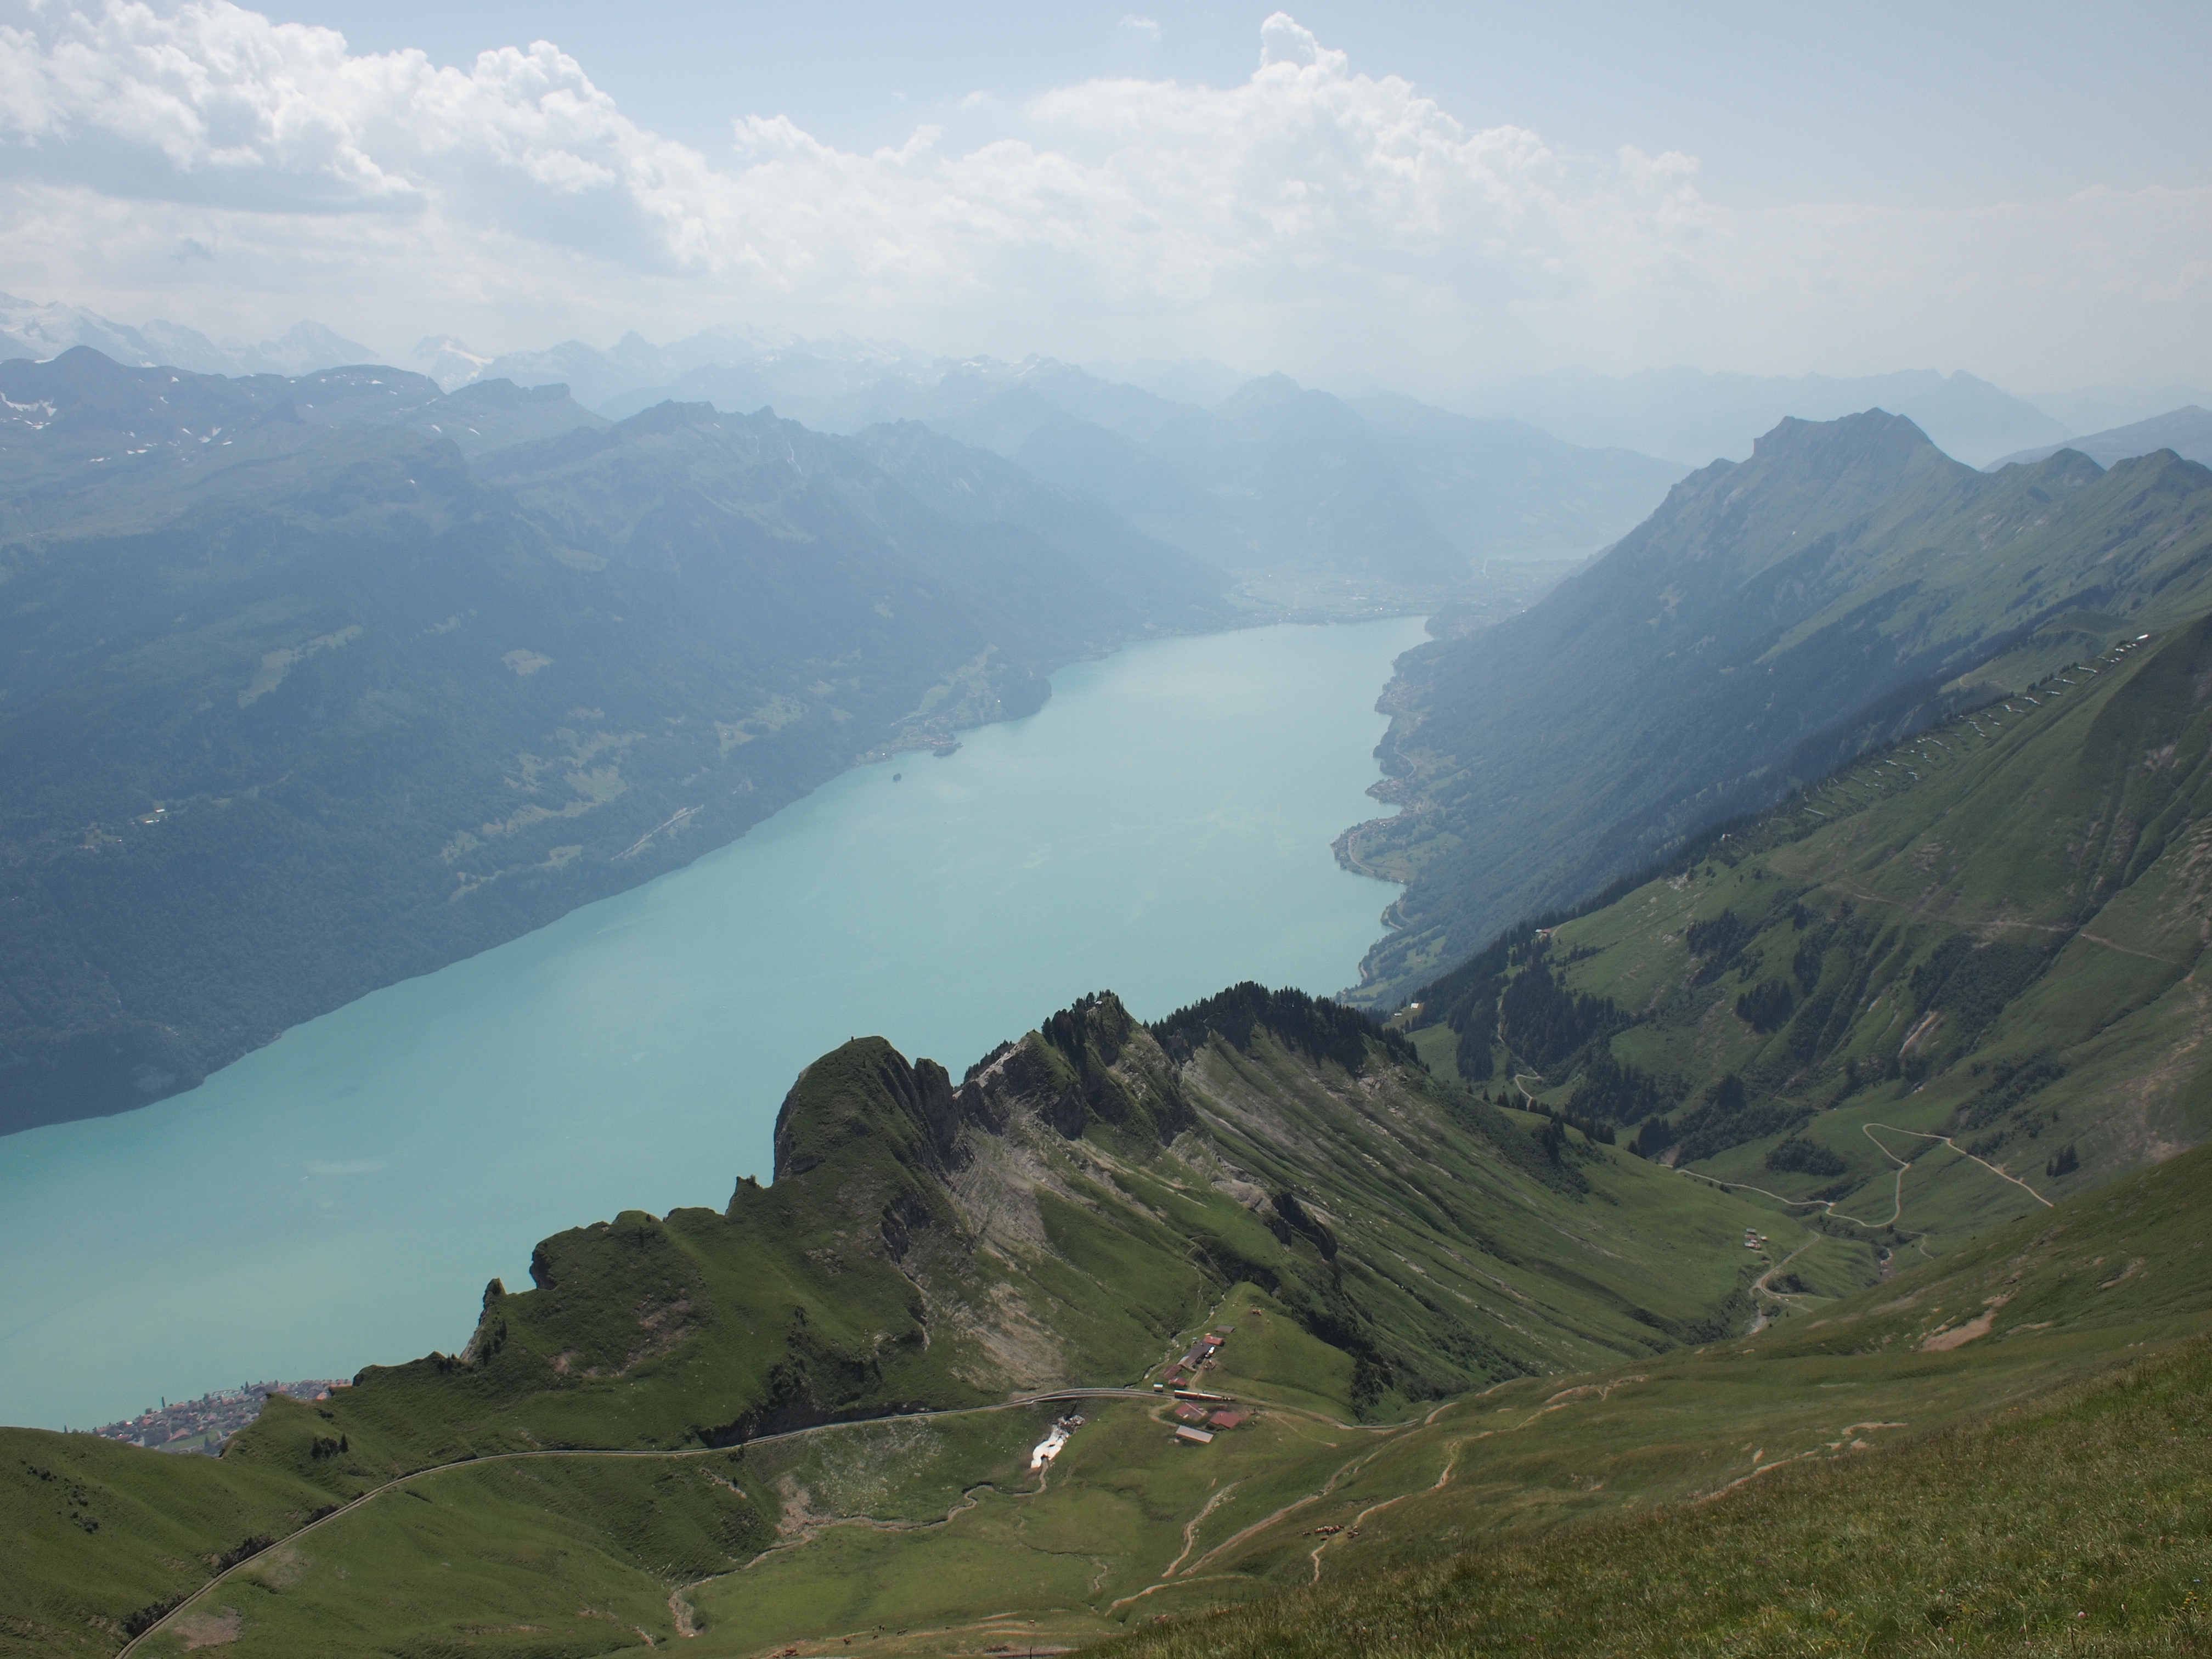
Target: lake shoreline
(1160, 828)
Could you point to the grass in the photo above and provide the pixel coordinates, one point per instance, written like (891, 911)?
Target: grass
(1992, 931)
(2041, 1488)
(1123, 1504)
(2073, 1525)
(99, 1531)
(544, 1558)
(1270, 1357)
(1590, 1303)
(1856, 1448)
(1557, 1487)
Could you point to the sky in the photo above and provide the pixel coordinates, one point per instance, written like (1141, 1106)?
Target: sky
(1410, 193)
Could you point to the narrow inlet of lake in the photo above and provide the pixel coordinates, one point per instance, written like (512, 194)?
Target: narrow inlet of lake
(338, 1199)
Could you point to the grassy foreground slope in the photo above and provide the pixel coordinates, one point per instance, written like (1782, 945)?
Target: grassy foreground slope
(1079, 1203)
(2006, 1451)
(1979, 953)
(1918, 1457)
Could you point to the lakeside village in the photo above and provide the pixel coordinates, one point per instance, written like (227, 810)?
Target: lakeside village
(204, 1424)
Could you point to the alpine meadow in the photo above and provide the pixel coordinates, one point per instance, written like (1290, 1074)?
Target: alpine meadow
(844, 570)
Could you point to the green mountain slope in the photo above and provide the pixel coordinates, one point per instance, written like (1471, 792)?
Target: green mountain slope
(297, 699)
(1066, 1215)
(1849, 1483)
(1846, 585)
(945, 1244)
(1980, 952)
(1946, 1429)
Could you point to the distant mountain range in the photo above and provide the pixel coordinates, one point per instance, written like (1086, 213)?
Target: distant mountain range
(2186, 431)
(1687, 414)
(1268, 478)
(1682, 414)
(29, 329)
(1280, 482)
(842, 382)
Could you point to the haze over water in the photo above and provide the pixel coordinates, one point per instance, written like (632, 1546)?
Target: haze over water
(338, 1199)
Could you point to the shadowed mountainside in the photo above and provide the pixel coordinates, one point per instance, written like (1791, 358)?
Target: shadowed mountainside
(299, 697)
(1980, 952)
(1848, 585)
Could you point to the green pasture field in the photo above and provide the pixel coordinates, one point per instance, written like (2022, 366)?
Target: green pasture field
(2072, 1523)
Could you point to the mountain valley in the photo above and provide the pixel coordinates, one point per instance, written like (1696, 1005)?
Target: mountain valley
(1772, 1109)
(1491, 1338)
(998, 832)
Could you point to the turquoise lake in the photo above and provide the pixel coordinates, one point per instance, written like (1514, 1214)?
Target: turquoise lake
(338, 1199)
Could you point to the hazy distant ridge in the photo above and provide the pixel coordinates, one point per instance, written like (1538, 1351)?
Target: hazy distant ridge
(2186, 431)
(28, 329)
(1687, 414)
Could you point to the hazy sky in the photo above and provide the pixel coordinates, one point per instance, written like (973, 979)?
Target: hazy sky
(1431, 192)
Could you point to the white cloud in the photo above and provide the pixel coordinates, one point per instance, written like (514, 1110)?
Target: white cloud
(1312, 215)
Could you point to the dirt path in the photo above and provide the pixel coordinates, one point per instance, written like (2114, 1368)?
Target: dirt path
(1761, 1286)
(1343, 1472)
(1897, 1207)
(1897, 1191)
(1851, 1438)
(398, 1481)
(1925, 1134)
(1443, 1479)
(2034, 927)
(1822, 1205)
(1190, 1526)
(1558, 1401)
